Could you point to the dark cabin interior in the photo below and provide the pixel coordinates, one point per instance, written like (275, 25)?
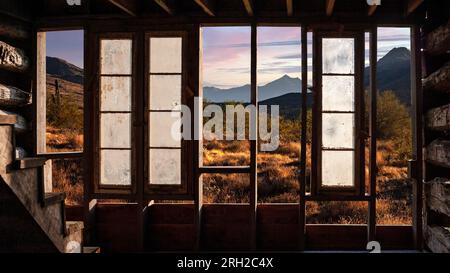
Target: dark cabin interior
(136, 215)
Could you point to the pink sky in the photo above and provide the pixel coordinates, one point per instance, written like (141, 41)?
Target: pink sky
(226, 53)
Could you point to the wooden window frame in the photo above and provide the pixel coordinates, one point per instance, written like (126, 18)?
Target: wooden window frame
(125, 190)
(40, 95)
(316, 164)
(183, 191)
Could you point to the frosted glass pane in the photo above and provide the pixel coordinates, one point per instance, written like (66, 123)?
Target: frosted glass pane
(165, 91)
(165, 55)
(337, 168)
(338, 93)
(338, 130)
(115, 94)
(115, 130)
(115, 167)
(165, 166)
(115, 57)
(338, 55)
(165, 129)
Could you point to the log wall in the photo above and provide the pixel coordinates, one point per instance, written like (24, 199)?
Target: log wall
(436, 104)
(16, 73)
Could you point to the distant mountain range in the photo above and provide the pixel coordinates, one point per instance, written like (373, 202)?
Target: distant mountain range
(393, 73)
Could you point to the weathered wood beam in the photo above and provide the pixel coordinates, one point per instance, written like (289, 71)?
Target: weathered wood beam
(329, 7)
(13, 31)
(438, 119)
(438, 41)
(438, 153)
(13, 59)
(437, 239)
(21, 124)
(290, 7)
(128, 6)
(371, 10)
(166, 5)
(249, 7)
(437, 195)
(207, 6)
(438, 80)
(412, 6)
(13, 96)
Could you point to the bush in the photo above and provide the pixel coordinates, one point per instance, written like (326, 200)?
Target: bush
(62, 113)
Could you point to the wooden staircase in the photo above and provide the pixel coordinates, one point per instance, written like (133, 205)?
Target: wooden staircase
(31, 219)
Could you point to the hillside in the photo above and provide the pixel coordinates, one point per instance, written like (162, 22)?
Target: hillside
(62, 69)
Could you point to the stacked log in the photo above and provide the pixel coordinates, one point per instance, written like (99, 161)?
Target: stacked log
(437, 196)
(438, 119)
(12, 96)
(13, 31)
(437, 239)
(438, 41)
(12, 58)
(439, 80)
(438, 152)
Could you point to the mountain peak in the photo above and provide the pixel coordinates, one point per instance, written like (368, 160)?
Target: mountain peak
(396, 54)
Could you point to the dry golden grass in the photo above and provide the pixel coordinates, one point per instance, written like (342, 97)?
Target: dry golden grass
(63, 140)
(67, 177)
(278, 174)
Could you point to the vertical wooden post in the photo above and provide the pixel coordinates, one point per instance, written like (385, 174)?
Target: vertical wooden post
(373, 135)
(198, 134)
(90, 51)
(254, 141)
(41, 93)
(138, 128)
(302, 202)
(417, 126)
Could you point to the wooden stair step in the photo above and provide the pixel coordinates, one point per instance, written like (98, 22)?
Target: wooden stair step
(29, 163)
(8, 119)
(51, 198)
(91, 249)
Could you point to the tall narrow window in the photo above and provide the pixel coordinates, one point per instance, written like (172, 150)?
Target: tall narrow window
(338, 112)
(164, 112)
(339, 115)
(115, 111)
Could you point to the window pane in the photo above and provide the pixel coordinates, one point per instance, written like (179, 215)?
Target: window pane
(338, 130)
(115, 167)
(115, 130)
(165, 166)
(337, 168)
(226, 83)
(115, 94)
(165, 55)
(338, 55)
(115, 57)
(165, 92)
(338, 93)
(165, 129)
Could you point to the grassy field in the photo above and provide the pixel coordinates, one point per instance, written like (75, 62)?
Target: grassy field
(278, 171)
